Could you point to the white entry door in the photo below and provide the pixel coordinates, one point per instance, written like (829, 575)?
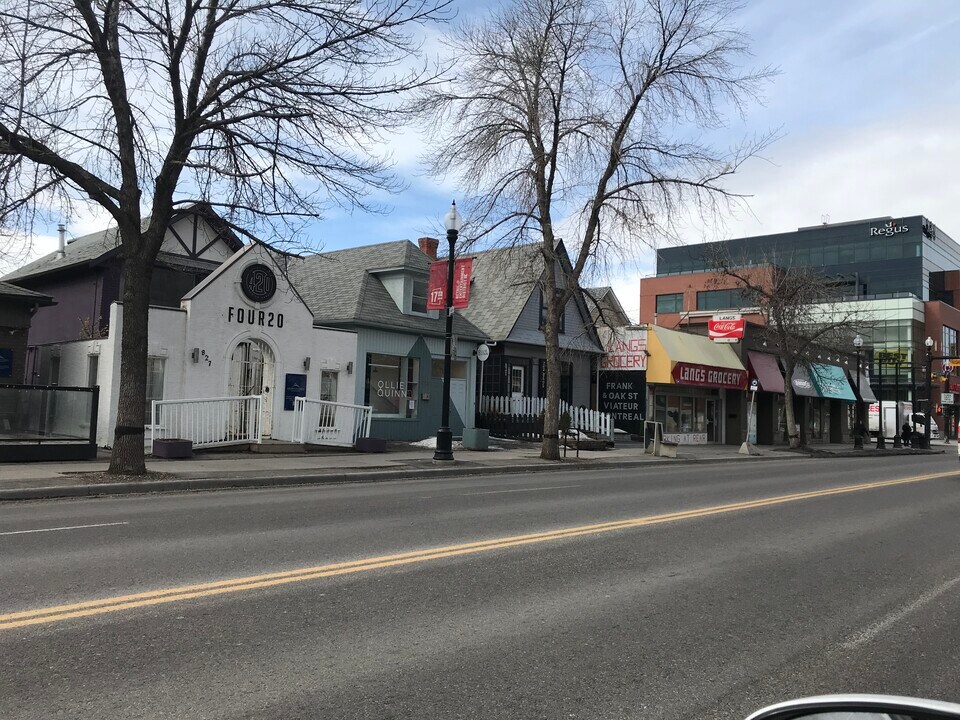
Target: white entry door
(252, 373)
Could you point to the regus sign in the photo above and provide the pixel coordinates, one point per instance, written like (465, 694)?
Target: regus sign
(888, 229)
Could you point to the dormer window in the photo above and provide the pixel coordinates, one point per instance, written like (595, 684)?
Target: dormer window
(418, 300)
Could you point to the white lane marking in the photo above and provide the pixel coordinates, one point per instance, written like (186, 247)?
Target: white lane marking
(897, 615)
(497, 492)
(68, 527)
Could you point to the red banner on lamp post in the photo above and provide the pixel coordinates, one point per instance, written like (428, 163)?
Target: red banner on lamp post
(437, 295)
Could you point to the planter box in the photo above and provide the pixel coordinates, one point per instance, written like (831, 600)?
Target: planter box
(371, 445)
(173, 448)
(476, 439)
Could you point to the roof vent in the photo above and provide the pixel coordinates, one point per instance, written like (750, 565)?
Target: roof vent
(62, 232)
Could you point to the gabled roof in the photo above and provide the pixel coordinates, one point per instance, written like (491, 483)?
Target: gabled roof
(9, 291)
(343, 288)
(101, 244)
(503, 279)
(598, 297)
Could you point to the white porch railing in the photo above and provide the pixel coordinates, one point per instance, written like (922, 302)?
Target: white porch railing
(320, 422)
(589, 421)
(208, 422)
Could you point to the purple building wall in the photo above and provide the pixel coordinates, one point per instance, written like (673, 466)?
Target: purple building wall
(83, 306)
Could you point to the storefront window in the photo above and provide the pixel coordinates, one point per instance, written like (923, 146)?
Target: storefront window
(392, 383)
(686, 414)
(660, 409)
(672, 425)
(700, 415)
(458, 369)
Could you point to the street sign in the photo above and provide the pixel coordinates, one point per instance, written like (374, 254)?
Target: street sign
(483, 352)
(727, 328)
(953, 362)
(754, 385)
(946, 398)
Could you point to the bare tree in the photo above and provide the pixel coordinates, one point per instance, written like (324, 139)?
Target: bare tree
(588, 112)
(803, 314)
(265, 110)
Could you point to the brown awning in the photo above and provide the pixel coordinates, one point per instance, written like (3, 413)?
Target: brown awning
(766, 370)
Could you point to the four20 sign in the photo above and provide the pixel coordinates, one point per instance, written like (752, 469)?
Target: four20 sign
(437, 294)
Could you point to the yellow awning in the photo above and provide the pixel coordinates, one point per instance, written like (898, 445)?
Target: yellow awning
(669, 347)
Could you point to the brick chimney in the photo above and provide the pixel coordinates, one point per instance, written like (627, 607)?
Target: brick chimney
(428, 246)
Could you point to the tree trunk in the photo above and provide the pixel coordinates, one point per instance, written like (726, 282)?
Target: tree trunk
(788, 410)
(127, 457)
(550, 449)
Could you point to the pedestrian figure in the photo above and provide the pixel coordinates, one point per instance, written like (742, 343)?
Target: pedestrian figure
(905, 433)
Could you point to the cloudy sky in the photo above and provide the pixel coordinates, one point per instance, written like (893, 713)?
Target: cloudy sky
(867, 102)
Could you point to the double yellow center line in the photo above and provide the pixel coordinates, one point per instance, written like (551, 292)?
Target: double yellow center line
(57, 613)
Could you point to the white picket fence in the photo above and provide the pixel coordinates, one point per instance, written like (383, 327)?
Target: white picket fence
(208, 422)
(320, 422)
(583, 419)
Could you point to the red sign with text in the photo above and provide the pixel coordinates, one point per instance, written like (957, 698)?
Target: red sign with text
(709, 376)
(726, 328)
(437, 295)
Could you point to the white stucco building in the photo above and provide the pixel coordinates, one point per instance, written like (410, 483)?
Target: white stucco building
(244, 330)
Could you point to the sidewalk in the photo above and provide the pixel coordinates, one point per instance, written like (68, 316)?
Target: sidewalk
(222, 469)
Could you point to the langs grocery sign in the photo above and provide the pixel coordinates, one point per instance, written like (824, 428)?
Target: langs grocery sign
(888, 229)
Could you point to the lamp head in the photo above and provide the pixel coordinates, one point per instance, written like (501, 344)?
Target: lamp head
(452, 220)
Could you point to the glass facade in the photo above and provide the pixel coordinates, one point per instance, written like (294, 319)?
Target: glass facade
(732, 299)
(949, 345)
(871, 258)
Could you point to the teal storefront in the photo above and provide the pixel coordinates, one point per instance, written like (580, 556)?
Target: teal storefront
(827, 408)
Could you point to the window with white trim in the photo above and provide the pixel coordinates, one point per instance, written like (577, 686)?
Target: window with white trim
(155, 368)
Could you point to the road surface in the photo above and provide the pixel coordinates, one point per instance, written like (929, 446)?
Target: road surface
(694, 591)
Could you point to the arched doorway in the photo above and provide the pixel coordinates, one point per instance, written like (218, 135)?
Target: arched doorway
(252, 373)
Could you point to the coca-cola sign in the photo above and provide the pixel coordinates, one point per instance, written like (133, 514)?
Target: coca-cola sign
(727, 328)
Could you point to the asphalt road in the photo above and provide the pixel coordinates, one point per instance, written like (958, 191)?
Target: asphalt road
(696, 591)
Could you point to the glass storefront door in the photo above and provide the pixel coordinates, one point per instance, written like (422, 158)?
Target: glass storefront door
(713, 420)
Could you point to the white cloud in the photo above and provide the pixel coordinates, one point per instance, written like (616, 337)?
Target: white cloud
(899, 167)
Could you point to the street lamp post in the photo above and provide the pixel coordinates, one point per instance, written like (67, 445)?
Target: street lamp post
(858, 429)
(897, 441)
(444, 450)
(929, 408)
(881, 433)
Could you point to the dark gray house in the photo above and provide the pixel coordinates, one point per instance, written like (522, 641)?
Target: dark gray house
(17, 308)
(83, 276)
(507, 305)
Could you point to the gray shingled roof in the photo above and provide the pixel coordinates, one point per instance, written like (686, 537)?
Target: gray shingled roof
(502, 282)
(15, 293)
(340, 288)
(96, 245)
(84, 249)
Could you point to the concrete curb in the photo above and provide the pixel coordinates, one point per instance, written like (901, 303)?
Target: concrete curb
(221, 483)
